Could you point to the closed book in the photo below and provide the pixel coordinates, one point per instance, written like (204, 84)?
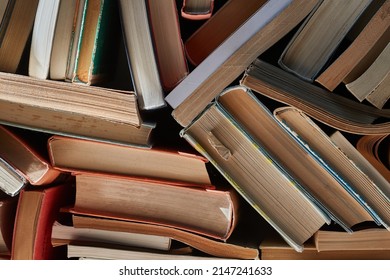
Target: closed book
(314, 43)
(197, 9)
(16, 26)
(7, 219)
(36, 212)
(26, 158)
(210, 212)
(267, 26)
(255, 175)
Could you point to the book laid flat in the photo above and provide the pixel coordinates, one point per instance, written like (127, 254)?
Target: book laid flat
(197, 9)
(369, 146)
(62, 39)
(97, 42)
(42, 38)
(364, 239)
(370, 192)
(103, 253)
(330, 195)
(140, 53)
(361, 52)
(331, 109)
(66, 234)
(168, 45)
(73, 154)
(268, 25)
(7, 218)
(374, 84)
(27, 160)
(204, 211)
(36, 212)
(255, 175)
(277, 249)
(218, 28)
(314, 43)
(66, 108)
(16, 27)
(210, 246)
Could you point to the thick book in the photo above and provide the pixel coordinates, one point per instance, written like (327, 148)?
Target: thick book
(363, 239)
(331, 109)
(15, 30)
(96, 42)
(267, 26)
(374, 84)
(168, 45)
(140, 53)
(255, 175)
(369, 191)
(65, 108)
(233, 248)
(26, 160)
(276, 249)
(259, 123)
(361, 52)
(42, 38)
(218, 28)
(197, 9)
(314, 43)
(210, 212)
(36, 212)
(74, 154)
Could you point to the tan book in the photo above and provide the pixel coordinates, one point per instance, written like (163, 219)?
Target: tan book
(268, 25)
(361, 52)
(331, 109)
(314, 43)
(374, 84)
(64, 108)
(168, 45)
(17, 24)
(364, 239)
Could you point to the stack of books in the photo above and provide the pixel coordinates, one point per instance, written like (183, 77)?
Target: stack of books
(141, 130)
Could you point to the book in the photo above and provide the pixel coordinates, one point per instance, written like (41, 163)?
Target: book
(16, 27)
(325, 190)
(11, 179)
(255, 175)
(373, 85)
(3, 8)
(197, 9)
(66, 108)
(331, 109)
(363, 239)
(168, 45)
(99, 34)
(209, 212)
(74, 154)
(267, 26)
(66, 234)
(42, 38)
(277, 249)
(28, 161)
(7, 218)
(314, 43)
(370, 146)
(103, 253)
(62, 39)
(218, 28)
(371, 193)
(141, 56)
(360, 53)
(36, 212)
(231, 248)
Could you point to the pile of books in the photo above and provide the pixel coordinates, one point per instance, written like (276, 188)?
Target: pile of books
(159, 135)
